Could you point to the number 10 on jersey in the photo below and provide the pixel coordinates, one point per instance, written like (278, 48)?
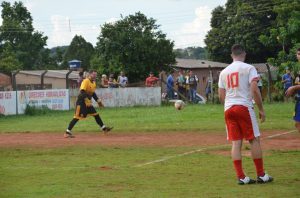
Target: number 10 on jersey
(233, 80)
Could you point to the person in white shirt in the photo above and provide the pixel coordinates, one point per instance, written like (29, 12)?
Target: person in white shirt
(192, 81)
(122, 80)
(260, 84)
(237, 88)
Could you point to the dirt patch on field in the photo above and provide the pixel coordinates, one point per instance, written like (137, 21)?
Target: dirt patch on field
(290, 141)
(105, 168)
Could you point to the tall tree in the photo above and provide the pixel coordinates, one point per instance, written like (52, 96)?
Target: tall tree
(284, 36)
(81, 50)
(18, 36)
(133, 44)
(9, 62)
(240, 21)
(191, 53)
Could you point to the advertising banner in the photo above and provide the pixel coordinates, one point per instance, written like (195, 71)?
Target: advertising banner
(56, 99)
(8, 103)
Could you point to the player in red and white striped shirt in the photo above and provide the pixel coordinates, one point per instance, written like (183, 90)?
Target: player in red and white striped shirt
(237, 88)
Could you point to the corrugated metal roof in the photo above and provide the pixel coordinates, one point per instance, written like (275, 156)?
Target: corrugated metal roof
(52, 73)
(262, 67)
(194, 63)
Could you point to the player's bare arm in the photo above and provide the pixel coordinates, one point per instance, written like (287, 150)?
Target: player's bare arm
(222, 94)
(258, 101)
(290, 91)
(98, 100)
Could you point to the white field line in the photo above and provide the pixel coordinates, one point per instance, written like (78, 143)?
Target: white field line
(280, 134)
(203, 149)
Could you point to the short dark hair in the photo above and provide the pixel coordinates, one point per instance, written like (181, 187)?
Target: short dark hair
(237, 49)
(92, 70)
(298, 49)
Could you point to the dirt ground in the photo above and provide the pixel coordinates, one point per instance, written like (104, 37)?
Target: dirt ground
(290, 141)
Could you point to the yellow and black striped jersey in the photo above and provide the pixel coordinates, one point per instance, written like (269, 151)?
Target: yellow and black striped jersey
(88, 86)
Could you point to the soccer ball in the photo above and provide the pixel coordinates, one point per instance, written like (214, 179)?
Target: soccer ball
(179, 105)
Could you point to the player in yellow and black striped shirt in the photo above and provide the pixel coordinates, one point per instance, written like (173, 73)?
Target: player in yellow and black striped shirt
(84, 105)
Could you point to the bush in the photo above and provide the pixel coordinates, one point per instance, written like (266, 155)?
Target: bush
(33, 110)
(277, 97)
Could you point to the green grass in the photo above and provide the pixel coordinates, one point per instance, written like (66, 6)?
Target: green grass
(147, 119)
(76, 172)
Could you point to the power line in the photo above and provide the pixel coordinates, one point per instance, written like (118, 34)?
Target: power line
(171, 20)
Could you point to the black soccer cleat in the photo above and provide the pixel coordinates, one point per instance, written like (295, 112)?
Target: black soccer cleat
(68, 134)
(246, 180)
(107, 129)
(264, 179)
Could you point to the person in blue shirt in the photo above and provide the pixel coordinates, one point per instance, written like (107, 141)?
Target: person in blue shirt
(296, 90)
(170, 85)
(287, 79)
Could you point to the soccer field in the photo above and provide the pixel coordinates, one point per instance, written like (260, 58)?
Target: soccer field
(152, 152)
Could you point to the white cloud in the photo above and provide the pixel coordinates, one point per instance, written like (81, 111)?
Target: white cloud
(30, 5)
(61, 34)
(193, 33)
(63, 31)
(112, 20)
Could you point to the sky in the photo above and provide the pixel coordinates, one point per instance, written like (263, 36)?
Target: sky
(185, 22)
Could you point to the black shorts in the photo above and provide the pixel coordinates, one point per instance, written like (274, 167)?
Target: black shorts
(82, 110)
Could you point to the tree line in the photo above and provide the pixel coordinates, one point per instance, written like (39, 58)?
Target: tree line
(269, 30)
(133, 44)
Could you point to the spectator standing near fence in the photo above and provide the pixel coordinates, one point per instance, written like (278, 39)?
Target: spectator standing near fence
(287, 81)
(104, 81)
(192, 81)
(187, 86)
(170, 85)
(151, 81)
(112, 83)
(181, 84)
(122, 80)
(208, 88)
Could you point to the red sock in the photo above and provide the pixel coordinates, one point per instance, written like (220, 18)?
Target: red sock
(239, 169)
(259, 166)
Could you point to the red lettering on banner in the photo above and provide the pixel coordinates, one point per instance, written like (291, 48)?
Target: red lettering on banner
(233, 80)
(49, 94)
(62, 93)
(36, 95)
(52, 94)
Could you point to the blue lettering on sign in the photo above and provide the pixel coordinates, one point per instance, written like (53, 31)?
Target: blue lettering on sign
(55, 100)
